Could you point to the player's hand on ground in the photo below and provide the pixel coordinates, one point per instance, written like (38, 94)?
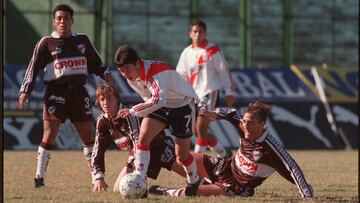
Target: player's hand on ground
(100, 185)
(23, 100)
(123, 113)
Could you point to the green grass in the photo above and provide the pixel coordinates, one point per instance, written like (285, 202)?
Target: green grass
(332, 174)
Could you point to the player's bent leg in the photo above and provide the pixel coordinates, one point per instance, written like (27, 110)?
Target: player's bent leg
(209, 190)
(150, 127)
(204, 190)
(202, 135)
(183, 156)
(86, 130)
(51, 128)
(177, 168)
(200, 165)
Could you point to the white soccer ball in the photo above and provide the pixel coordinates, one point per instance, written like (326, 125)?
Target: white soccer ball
(132, 186)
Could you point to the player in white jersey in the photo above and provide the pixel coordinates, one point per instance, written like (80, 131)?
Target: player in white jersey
(258, 156)
(203, 65)
(168, 101)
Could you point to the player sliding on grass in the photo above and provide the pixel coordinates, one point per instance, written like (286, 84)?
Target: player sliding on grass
(125, 134)
(259, 155)
(168, 101)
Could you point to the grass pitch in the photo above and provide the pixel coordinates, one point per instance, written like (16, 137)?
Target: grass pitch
(332, 174)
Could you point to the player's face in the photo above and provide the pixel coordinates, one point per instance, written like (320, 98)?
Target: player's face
(130, 71)
(62, 23)
(251, 127)
(109, 104)
(197, 35)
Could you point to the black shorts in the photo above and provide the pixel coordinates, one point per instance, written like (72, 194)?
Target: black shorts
(220, 174)
(180, 121)
(67, 101)
(162, 155)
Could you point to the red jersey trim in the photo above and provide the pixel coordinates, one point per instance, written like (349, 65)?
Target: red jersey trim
(202, 46)
(142, 70)
(209, 53)
(155, 69)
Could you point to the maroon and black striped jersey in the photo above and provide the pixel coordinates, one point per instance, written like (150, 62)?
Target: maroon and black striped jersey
(108, 131)
(64, 61)
(257, 160)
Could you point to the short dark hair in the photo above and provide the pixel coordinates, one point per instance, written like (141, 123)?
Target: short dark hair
(258, 110)
(199, 23)
(63, 7)
(125, 55)
(103, 90)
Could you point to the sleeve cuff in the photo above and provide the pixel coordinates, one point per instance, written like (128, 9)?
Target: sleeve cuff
(99, 175)
(132, 111)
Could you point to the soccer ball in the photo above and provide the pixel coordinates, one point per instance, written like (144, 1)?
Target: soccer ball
(132, 186)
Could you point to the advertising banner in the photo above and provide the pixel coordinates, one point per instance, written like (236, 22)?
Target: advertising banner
(298, 118)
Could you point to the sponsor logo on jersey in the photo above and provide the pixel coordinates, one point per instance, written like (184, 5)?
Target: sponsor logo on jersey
(245, 165)
(59, 100)
(70, 63)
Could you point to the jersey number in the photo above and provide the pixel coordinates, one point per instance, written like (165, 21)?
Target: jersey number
(188, 117)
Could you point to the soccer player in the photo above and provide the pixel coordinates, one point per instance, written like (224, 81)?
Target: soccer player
(66, 58)
(168, 101)
(258, 156)
(203, 65)
(125, 134)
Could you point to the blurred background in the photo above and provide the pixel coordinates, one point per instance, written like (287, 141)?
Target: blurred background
(270, 46)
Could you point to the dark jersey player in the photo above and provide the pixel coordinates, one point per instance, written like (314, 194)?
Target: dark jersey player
(125, 133)
(66, 59)
(258, 156)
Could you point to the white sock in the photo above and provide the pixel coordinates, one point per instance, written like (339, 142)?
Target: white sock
(217, 147)
(190, 170)
(43, 158)
(200, 149)
(142, 159)
(200, 146)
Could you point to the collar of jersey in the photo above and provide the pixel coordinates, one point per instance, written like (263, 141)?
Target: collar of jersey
(54, 34)
(202, 46)
(142, 70)
(263, 136)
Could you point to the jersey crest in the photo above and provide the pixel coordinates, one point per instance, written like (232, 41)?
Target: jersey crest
(81, 48)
